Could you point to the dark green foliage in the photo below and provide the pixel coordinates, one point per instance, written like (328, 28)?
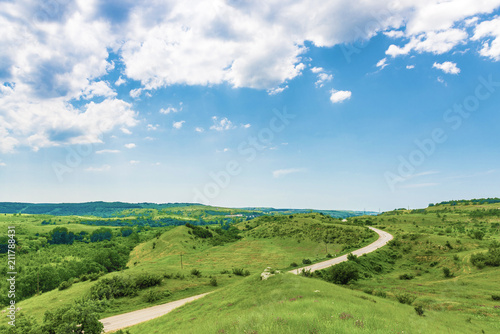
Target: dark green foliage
(476, 234)
(65, 285)
(448, 245)
(490, 258)
(199, 231)
(306, 261)
(147, 280)
(420, 310)
(112, 258)
(447, 272)
(241, 272)
(342, 273)
(495, 297)
(25, 324)
(101, 234)
(406, 277)
(380, 293)
(152, 296)
(81, 317)
(434, 263)
(60, 235)
(352, 257)
(306, 273)
(126, 231)
(406, 298)
(196, 272)
(213, 281)
(329, 256)
(114, 287)
(294, 264)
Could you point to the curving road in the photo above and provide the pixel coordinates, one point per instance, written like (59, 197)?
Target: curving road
(383, 239)
(120, 321)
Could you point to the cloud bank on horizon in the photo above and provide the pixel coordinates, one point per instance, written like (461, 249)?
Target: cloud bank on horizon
(54, 55)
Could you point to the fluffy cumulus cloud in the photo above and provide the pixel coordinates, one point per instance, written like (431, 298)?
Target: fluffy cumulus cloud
(221, 124)
(447, 67)
(52, 56)
(338, 96)
(178, 125)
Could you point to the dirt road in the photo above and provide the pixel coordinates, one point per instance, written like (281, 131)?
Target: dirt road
(383, 239)
(120, 321)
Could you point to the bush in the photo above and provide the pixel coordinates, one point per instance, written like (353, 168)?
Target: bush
(240, 272)
(306, 273)
(342, 273)
(65, 285)
(352, 257)
(447, 272)
(434, 263)
(306, 261)
(151, 296)
(495, 297)
(406, 276)
(147, 280)
(368, 291)
(196, 272)
(380, 293)
(406, 298)
(213, 281)
(114, 287)
(420, 310)
(329, 256)
(294, 264)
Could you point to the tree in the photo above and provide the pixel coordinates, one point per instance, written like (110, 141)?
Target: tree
(342, 273)
(81, 317)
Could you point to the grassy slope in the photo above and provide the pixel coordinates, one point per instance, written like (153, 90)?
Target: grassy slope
(249, 253)
(290, 304)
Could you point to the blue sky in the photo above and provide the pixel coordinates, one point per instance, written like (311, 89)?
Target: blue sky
(289, 104)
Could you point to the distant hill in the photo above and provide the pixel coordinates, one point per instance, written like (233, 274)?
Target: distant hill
(331, 213)
(98, 209)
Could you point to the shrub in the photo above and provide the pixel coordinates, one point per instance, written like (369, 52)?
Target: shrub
(167, 276)
(306, 261)
(213, 281)
(151, 296)
(406, 298)
(380, 293)
(240, 272)
(114, 287)
(306, 273)
(448, 245)
(294, 264)
(420, 310)
(406, 276)
(447, 272)
(455, 257)
(434, 263)
(368, 291)
(65, 285)
(329, 256)
(352, 257)
(495, 297)
(196, 272)
(342, 273)
(225, 271)
(147, 280)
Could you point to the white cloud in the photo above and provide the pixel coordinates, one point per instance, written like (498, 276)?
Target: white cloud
(130, 146)
(126, 131)
(178, 125)
(317, 70)
(99, 88)
(221, 125)
(246, 126)
(135, 93)
(322, 78)
(394, 33)
(338, 96)
(168, 110)
(277, 90)
(134, 162)
(198, 129)
(432, 42)
(489, 29)
(282, 172)
(103, 168)
(410, 67)
(107, 151)
(382, 63)
(2, 164)
(120, 81)
(447, 67)
(152, 127)
(441, 80)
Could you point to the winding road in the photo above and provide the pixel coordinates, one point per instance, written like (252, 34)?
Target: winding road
(120, 321)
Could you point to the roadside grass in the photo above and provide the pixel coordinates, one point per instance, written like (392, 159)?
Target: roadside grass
(288, 303)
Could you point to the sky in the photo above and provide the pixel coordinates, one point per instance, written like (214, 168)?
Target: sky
(288, 104)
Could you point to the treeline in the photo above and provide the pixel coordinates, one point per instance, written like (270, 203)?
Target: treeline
(475, 201)
(142, 221)
(217, 236)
